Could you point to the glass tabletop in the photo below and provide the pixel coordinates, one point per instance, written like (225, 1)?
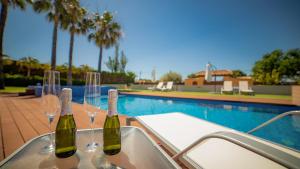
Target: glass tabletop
(138, 151)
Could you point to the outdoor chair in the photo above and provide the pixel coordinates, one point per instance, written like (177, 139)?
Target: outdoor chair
(158, 87)
(244, 88)
(168, 87)
(227, 87)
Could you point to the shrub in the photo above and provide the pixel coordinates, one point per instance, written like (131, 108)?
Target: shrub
(20, 80)
(172, 76)
(106, 78)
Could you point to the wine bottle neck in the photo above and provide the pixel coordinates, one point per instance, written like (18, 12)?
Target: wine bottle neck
(112, 102)
(66, 109)
(66, 102)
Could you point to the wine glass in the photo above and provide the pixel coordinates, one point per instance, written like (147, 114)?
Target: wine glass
(50, 101)
(92, 93)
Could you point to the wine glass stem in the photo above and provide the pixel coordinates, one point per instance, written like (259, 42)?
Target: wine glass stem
(50, 119)
(92, 118)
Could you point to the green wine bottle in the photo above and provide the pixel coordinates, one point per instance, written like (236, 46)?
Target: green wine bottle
(111, 129)
(65, 133)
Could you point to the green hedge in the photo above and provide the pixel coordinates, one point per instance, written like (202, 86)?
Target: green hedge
(106, 78)
(23, 81)
(117, 78)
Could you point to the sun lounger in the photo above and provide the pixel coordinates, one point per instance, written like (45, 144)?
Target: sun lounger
(168, 87)
(227, 87)
(244, 88)
(217, 146)
(158, 87)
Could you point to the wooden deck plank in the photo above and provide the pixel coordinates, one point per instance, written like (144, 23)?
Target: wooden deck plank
(34, 123)
(12, 138)
(1, 138)
(37, 111)
(24, 126)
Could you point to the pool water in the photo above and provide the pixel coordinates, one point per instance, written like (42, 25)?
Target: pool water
(239, 116)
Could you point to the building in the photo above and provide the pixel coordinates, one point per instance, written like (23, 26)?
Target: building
(221, 76)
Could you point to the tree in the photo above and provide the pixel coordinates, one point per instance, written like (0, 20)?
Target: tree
(172, 76)
(276, 66)
(110, 64)
(266, 70)
(29, 63)
(116, 64)
(238, 73)
(193, 75)
(7, 60)
(4, 11)
(75, 23)
(123, 62)
(55, 9)
(106, 33)
(130, 77)
(290, 64)
(45, 66)
(85, 68)
(153, 74)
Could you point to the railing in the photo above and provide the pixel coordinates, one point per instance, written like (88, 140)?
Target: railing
(297, 112)
(264, 150)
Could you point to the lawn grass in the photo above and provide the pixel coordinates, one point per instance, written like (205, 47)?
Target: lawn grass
(266, 96)
(13, 89)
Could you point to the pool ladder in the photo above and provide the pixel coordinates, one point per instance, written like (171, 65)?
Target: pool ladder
(295, 112)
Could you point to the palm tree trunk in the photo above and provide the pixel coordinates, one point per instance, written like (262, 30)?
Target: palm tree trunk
(69, 81)
(28, 72)
(100, 59)
(4, 10)
(54, 42)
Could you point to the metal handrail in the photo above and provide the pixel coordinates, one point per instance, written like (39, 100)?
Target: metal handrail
(129, 120)
(264, 150)
(295, 112)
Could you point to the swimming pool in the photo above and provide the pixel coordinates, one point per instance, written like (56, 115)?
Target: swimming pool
(239, 116)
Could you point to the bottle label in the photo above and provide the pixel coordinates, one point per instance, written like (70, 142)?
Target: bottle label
(66, 101)
(112, 102)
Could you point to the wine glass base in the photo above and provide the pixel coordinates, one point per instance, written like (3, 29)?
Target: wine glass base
(48, 149)
(91, 147)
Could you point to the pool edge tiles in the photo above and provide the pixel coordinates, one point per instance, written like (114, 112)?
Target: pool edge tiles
(241, 100)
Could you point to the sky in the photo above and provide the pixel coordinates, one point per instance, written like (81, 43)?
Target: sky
(168, 35)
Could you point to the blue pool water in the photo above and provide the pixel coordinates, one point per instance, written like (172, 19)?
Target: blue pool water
(239, 116)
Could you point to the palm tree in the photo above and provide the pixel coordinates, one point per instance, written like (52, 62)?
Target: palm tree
(123, 62)
(4, 11)
(7, 60)
(55, 10)
(75, 23)
(45, 66)
(85, 68)
(29, 63)
(107, 33)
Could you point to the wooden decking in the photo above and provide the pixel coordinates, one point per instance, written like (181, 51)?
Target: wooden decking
(22, 118)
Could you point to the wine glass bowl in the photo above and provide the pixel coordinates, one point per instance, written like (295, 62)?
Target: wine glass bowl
(51, 104)
(92, 97)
